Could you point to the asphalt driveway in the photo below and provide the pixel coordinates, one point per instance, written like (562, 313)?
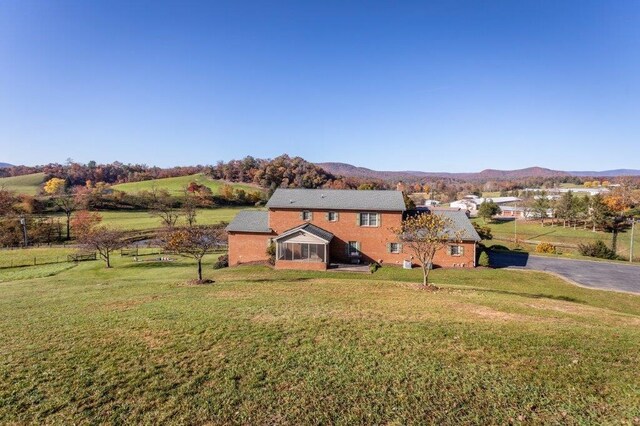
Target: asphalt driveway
(600, 275)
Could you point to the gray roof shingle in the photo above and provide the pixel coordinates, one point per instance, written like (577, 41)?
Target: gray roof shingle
(461, 222)
(337, 199)
(250, 221)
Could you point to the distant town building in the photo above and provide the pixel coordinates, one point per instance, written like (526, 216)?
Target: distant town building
(471, 203)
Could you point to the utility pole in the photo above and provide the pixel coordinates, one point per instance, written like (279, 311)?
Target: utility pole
(515, 222)
(23, 222)
(633, 227)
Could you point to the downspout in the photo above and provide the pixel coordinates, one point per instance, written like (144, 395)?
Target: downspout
(475, 248)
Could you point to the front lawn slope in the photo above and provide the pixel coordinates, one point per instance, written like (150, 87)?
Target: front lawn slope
(135, 344)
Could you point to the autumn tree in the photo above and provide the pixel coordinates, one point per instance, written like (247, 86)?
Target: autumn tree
(104, 240)
(424, 234)
(484, 232)
(57, 190)
(8, 202)
(488, 209)
(195, 242)
(84, 221)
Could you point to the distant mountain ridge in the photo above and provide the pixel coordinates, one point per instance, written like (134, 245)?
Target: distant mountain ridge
(350, 170)
(5, 165)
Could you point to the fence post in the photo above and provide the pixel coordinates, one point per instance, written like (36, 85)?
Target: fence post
(34, 261)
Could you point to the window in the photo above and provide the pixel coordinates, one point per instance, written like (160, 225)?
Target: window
(306, 215)
(368, 219)
(456, 250)
(353, 248)
(395, 247)
(332, 216)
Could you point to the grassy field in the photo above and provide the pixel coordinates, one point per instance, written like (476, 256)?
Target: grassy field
(557, 234)
(27, 184)
(177, 185)
(135, 344)
(33, 256)
(144, 220)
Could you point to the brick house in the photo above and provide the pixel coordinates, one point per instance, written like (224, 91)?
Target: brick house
(312, 228)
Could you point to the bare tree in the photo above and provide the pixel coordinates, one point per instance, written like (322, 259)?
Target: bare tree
(104, 240)
(163, 207)
(424, 234)
(189, 209)
(195, 242)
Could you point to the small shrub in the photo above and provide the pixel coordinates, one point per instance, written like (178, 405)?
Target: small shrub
(223, 262)
(271, 252)
(484, 259)
(374, 267)
(597, 249)
(546, 248)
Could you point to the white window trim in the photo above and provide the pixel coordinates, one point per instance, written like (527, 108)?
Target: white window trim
(460, 250)
(377, 215)
(398, 249)
(310, 213)
(335, 216)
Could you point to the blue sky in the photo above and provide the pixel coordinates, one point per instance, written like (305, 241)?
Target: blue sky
(434, 86)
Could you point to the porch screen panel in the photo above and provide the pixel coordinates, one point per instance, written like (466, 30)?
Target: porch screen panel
(297, 252)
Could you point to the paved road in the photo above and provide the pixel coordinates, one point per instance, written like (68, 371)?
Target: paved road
(602, 275)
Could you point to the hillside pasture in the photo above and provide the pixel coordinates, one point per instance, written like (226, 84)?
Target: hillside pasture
(137, 344)
(177, 185)
(26, 184)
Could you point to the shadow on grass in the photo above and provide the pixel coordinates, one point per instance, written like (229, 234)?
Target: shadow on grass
(279, 279)
(148, 265)
(533, 295)
(542, 235)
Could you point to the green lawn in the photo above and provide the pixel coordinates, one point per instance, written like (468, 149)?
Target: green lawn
(26, 184)
(532, 230)
(177, 185)
(134, 344)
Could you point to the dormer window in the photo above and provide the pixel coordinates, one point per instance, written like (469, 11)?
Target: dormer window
(306, 215)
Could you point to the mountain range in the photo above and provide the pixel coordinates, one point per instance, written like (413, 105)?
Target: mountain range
(5, 165)
(345, 169)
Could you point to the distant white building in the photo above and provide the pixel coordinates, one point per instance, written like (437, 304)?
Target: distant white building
(472, 203)
(579, 190)
(431, 203)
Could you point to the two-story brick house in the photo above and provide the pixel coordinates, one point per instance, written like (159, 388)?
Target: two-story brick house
(312, 228)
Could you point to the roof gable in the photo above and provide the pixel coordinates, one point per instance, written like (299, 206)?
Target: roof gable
(307, 228)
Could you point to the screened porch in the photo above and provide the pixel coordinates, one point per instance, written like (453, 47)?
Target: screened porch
(306, 243)
(304, 252)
